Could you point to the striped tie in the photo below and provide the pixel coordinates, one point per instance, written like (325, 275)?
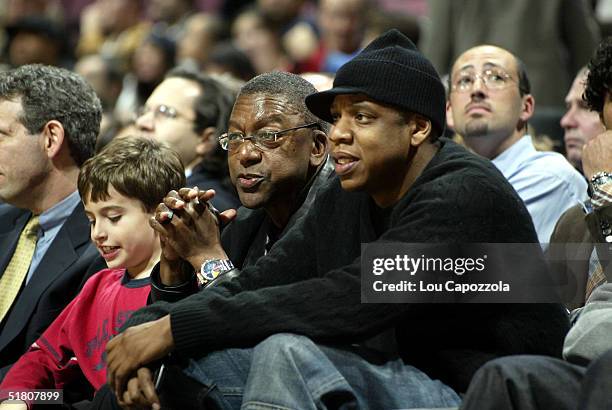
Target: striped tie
(17, 269)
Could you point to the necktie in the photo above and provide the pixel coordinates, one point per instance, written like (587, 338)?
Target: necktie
(12, 278)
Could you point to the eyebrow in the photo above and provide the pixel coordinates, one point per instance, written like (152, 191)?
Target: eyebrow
(108, 208)
(359, 103)
(362, 104)
(279, 118)
(485, 66)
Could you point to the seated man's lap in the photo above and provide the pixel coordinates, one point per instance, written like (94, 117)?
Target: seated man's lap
(290, 371)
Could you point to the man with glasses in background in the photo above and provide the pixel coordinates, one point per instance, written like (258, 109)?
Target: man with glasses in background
(490, 104)
(188, 111)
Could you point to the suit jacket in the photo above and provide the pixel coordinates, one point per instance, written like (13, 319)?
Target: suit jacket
(571, 245)
(70, 259)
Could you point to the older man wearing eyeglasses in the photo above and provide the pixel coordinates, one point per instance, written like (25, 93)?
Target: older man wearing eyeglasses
(277, 157)
(490, 104)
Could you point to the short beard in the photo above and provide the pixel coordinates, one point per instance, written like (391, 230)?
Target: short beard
(476, 129)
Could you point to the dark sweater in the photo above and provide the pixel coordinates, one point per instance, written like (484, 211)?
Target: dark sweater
(310, 284)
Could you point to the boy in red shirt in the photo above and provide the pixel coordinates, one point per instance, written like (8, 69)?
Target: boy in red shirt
(120, 188)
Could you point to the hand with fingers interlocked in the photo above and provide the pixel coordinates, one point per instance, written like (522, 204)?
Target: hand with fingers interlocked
(189, 229)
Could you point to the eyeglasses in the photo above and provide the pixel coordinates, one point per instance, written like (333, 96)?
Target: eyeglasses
(160, 111)
(493, 79)
(230, 141)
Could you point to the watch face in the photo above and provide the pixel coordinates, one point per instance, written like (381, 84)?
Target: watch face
(211, 270)
(601, 178)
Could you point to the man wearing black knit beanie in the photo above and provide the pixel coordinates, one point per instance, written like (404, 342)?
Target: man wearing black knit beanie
(291, 332)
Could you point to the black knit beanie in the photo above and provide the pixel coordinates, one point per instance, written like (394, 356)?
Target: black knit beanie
(390, 70)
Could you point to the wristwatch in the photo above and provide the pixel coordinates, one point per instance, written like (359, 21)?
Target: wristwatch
(212, 268)
(600, 178)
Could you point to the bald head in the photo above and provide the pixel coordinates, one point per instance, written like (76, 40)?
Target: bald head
(503, 58)
(489, 99)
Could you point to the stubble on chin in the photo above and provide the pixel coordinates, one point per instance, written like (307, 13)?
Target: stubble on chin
(476, 128)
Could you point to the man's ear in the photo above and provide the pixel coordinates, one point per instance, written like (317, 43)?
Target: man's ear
(527, 108)
(208, 142)
(319, 148)
(421, 129)
(53, 138)
(450, 121)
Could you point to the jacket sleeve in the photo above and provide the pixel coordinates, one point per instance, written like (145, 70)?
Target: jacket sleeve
(590, 336)
(161, 292)
(598, 221)
(49, 363)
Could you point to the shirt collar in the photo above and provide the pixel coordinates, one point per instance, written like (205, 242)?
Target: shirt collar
(517, 153)
(59, 212)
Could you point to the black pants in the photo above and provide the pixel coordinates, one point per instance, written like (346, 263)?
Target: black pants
(540, 382)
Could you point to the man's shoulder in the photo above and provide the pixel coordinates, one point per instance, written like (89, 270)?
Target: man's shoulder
(552, 164)
(10, 213)
(456, 168)
(331, 197)
(459, 184)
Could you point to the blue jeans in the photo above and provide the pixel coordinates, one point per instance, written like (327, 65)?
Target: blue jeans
(289, 371)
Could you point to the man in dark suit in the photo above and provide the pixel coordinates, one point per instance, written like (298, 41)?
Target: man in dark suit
(49, 121)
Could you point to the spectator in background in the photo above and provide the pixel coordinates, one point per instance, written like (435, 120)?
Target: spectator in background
(113, 28)
(104, 76)
(202, 33)
(14, 10)
(579, 122)
(170, 16)
(37, 40)
(189, 111)
(554, 38)
(490, 103)
(152, 59)
(107, 82)
(227, 58)
(296, 30)
(342, 24)
(260, 43)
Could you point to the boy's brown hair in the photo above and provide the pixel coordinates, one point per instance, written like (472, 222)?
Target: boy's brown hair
(136, 167)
